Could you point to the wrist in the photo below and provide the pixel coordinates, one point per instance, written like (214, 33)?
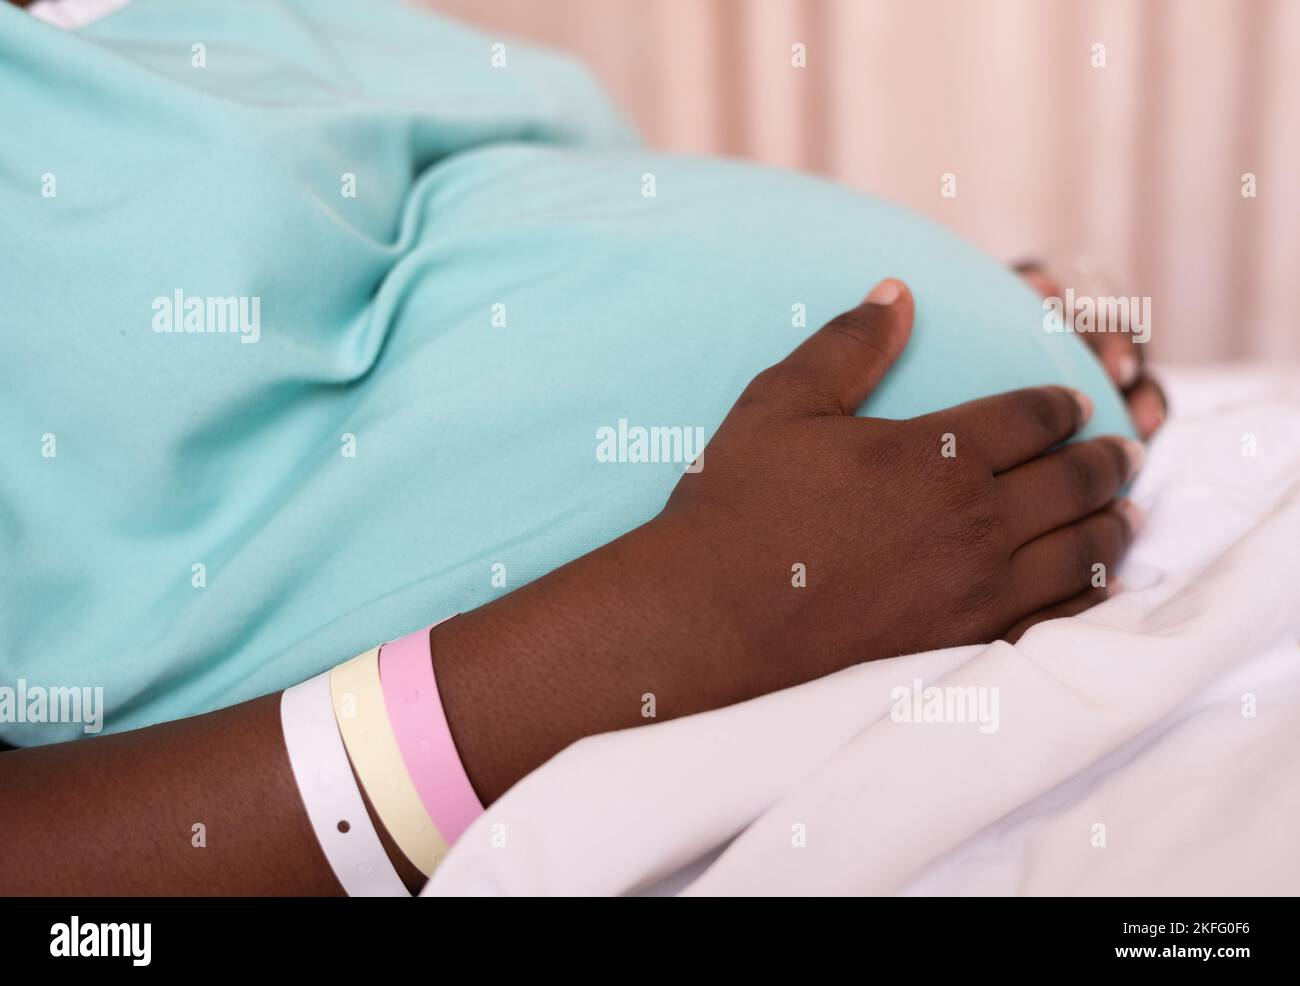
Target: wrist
(578, 651)
(687, 577)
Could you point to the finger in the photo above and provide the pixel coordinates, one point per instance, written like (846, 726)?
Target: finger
(1147, 405)
(836, 367)
(1059, 488)
(1113, 345)
(1008, 429)
(1119, 354)
(1038, 279)
(1058, 565)
(1073, 606)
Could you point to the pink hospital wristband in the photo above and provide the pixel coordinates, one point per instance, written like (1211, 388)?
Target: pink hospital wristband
(423, 736)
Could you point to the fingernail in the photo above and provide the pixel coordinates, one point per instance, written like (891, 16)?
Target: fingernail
(1133, 515)
(1114, 586)
(1085, 405)
(1136, 455)
(1127, 367)
(885, 293)
(1149, 421)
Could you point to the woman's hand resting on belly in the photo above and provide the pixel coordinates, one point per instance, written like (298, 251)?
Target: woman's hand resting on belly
(809, 540)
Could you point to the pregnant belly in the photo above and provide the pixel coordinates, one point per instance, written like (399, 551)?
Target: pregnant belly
(598, 314)
(542, 356)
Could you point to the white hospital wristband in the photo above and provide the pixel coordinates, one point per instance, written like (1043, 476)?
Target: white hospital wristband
(330, 794)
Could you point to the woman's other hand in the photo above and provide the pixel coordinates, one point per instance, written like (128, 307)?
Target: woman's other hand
(1119, 353)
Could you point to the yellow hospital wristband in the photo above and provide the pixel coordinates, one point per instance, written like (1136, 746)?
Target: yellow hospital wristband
(372, 746)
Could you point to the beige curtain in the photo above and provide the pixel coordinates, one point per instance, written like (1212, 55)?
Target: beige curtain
(1136, 164)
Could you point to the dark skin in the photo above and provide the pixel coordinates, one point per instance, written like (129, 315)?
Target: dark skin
(696, 606)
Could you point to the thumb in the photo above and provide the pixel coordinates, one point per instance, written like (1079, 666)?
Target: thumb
(847, 358)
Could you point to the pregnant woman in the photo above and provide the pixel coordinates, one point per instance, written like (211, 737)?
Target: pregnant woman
(332, 320)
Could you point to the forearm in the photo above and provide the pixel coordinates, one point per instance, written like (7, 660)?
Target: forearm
(570, 655)
(118, 814)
